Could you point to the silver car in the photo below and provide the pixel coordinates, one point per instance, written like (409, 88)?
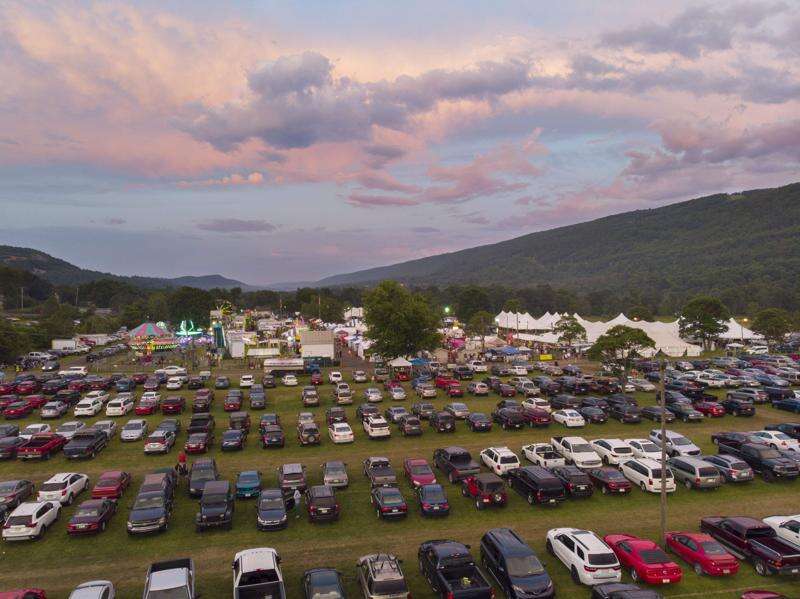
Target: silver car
(732, 468)
(95, 589)
(334, 473)
(373, 395)
(134, 430)
(695, 473)
(397, 393)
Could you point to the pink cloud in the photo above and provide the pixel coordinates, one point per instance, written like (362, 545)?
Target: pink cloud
(233, 180)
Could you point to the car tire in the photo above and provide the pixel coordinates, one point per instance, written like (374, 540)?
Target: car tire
(102, 526)
(574, 574)
(605, 489)
(605, 460)
(478, 504)
(688, 484)
(69, 500)
(698, 569)
(549, 546)
(531, 499)
(761, 568)
(643, 487)
(451, 477)
(634, 575)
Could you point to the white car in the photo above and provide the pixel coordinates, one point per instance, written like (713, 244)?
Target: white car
(334, 376)
(677, 444)
(159, 441)
(99, 395)
(778, 440)
(786, 527)
(289, 380)
(34, 429)
(373, 395)
(109, 427)
(569, 418)
(340, 432)
(377, 427)
(518, 370)
(499, 460)
(246, 381)
(527, 388)
(153, 396)
(120, 406)
(537, 402)
(543, 454)
(74, 371)
(644, 448)
(397, 393)
(709, 380)
(646, 474)
(173, 371)
(88, 407)
(134, 430)
(94, 589)
(642, 385)
(478, 366)
(359, 376)
(68, 429)
(612, 451)
(585, 555)
(29, 520)
(174, 383)
(63, 487)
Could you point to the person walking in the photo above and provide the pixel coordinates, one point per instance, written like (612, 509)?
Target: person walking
(297, 497)
(181, 465)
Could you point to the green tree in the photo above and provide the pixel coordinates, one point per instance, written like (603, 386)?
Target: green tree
(618, 347)
(399, 322)
(704, 318)
(569, 330)
(774, 324)
(157, 307)
(480, 324)
(12, 342)
(59, 324)
(188, 303)
(470, 300)
(512, 305)
(328, 308)
(640, 312)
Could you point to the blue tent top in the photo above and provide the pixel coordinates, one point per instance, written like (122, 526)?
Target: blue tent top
(419, 362)
(509, 350)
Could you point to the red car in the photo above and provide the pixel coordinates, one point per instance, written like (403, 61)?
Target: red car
(146, 407)
(703, 553)
(78, 385)
(27, 387)
(402, 375)
(37, 401)
(7, 388)
(646, 561)
(99, 383)
(709, 408)
(485, 488)
(536, 416)
(418, 472)
(173, 405)
(199, 442)
(233, 403)
(19, 409)
(24, 594)
(443, 382)
(7, 400)
(139, 378)
(454, 389)
(91, 517)
(393, 383)
(609, 480)
(316, 378)
(41, 446)
(111, 485)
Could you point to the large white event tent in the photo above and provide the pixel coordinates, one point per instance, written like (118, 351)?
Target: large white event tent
(736, 331)
(665, 334)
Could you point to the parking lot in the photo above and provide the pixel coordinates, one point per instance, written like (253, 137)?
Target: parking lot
(58, 563)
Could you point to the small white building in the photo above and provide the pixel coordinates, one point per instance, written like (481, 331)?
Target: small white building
(317, 344)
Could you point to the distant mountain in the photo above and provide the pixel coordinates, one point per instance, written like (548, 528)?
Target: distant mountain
(61, 272)
(745, 242)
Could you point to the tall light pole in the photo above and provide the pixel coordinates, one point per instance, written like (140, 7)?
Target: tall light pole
(741, 328)
(662, 367)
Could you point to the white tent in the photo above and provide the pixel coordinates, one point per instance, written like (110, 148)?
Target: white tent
(737, 331)
(400, 363)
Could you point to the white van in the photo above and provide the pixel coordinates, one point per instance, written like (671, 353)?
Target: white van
(646, 474)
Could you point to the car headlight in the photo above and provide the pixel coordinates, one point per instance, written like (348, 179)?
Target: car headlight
(162, 520)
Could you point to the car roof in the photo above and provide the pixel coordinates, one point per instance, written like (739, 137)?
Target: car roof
(292, 468)
(28, 508)
(262, 558)
(60, 477)
(216, 486)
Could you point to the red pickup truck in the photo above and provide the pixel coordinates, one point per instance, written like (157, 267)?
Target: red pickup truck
(756, 542)
(41, 446)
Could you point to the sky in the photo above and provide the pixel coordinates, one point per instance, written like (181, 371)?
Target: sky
(288, 141)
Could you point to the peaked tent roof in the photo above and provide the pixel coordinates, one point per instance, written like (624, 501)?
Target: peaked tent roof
(149, 329)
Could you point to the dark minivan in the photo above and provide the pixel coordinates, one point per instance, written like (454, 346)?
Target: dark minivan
(514, 565)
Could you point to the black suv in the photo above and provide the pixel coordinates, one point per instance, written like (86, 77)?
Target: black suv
(627, 413)
(86, 443)
(564, 401)
(575, 481)
(201, 472)
(423, 409)
(514, 565)
(537, 485)
(443, 422)
(410, 426)
(321, 504)
(216, 506)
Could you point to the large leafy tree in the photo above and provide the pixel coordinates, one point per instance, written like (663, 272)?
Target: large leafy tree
(704, 318)
(326, 307)
(12, 342)
(773, 323)
(188, 303)
(619, 346)
(479, 325)
(569, 330)
(399, 322)
(512, 305)
(470, 300)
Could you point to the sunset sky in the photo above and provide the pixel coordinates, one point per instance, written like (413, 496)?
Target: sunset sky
(287, 141)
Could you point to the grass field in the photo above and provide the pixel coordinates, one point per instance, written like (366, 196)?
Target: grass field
(58, 563)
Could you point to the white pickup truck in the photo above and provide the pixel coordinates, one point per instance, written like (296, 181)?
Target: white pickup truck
(576, 450)
(257, 573)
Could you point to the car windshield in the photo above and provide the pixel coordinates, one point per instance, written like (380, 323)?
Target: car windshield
(654, 556)
(649, 447)
(520, 566)
(602, 559)
(65, 428)
(18, 521)
(493, 487)
(53, 486)
(581, 448)
(335, 470)
(712, 548)
(87, 512)
(768, 454)
(201, 475)
(148, 502)
(420, 469)
(392, 499)
(215, 499)
(231, 435)
(7, 487)
(434, 494)
(271, 503)
(680, 441)
(656, 473)
(248, 479)
(132, 426)
(106, 482)
(178, 593)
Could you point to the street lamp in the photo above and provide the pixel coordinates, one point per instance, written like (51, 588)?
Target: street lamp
(741, 327)
(447, 309)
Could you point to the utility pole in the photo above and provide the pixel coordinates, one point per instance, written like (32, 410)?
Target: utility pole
(21, 298)
(319, 306)
(662, 367)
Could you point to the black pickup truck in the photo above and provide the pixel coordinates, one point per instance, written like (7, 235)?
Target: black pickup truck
(765, 460)
(201, 423)
(455, 462)
(756, 542)
(86, 443)
(451, 571)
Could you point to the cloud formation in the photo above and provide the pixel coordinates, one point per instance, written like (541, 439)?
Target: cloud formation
(236, 225)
